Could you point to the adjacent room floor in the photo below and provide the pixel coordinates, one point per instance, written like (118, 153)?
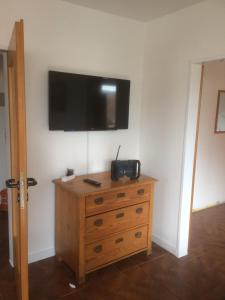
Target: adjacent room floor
(7, 284)
(199, 276)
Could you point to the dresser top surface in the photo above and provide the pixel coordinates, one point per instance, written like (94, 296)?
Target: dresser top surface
(82, 189)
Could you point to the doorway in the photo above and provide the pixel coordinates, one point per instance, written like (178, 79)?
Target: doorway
(191, 147)
(5, 203)
(208, 190)
(6, 248)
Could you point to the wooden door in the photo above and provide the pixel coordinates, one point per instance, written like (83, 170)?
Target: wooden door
(18, 183)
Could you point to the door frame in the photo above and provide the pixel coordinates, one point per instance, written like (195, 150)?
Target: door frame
(4, 51)
(189, 159)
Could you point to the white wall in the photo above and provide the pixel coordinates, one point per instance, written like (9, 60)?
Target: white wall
(173, 42)
(210, 168)
(66, 37)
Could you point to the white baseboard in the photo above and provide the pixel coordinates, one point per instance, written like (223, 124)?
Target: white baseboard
(11, 263)
(36, 256)
(39, 255)
(165, 245)
(43, 254)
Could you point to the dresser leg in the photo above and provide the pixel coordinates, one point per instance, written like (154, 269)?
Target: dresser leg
(81, 280)
(149, 252)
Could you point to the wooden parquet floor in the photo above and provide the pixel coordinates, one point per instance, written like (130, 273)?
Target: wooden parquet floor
(161, 276)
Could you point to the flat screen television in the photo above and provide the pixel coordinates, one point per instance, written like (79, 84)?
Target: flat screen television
(84, 103)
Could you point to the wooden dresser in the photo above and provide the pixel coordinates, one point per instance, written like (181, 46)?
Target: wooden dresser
(97, 226)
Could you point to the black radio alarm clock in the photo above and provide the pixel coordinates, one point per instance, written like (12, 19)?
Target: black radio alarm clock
(130, 168)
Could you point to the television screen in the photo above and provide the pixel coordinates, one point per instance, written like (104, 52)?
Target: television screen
(83, 102)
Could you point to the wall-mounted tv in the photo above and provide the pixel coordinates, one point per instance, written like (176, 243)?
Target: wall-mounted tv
(84, 103)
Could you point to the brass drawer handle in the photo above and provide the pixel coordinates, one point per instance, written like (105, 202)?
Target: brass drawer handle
(141, 192)
(99, 200)
(98, 249)
(139, 210)
(121, 195)
(98, 222)
(120, 215)
(120, 240)
(138, 235)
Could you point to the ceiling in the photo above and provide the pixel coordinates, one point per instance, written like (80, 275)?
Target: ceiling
(142, 10)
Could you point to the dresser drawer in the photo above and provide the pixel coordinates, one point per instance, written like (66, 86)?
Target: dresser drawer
(103, 202)
(115, 221)
(111, 249)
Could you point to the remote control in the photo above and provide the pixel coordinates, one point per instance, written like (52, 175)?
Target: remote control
(93, 182)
